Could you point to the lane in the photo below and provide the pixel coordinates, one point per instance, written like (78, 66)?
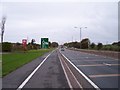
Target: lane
(72, 80)
(54, 72)
(49, 75)
(84, 81)
(15, 78)
(101, 70)
(34, 71)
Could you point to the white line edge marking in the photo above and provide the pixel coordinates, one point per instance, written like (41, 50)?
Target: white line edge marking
(74, 76)
(28, 78)
(65, 73)
(93, 84)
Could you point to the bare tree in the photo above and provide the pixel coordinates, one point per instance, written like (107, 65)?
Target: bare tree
(2, 27)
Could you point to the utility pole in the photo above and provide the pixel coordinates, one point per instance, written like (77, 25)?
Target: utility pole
(3, 27)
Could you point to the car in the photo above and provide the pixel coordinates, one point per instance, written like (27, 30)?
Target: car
(62, 49)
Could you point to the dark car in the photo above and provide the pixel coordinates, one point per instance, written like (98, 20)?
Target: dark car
(62, 49)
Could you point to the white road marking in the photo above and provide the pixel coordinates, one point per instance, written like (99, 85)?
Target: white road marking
(89, 65)
(99, 60)
(65, 73)
(107, 64)
(29, 77)
(104, 75)
(93, 84)
(73, 76)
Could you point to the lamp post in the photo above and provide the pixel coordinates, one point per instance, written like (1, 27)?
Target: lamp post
(80, 33)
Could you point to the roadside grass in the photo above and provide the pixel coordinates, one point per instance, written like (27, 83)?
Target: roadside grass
(12, 61)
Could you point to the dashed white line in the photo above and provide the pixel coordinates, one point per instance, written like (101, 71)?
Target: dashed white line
(104, 75)
(107, 64)
(93, 84)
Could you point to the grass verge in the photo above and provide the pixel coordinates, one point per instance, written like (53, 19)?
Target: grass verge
(12, 61)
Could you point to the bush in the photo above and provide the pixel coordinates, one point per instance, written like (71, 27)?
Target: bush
(99, 46)
(111, 47)
(6, 47)
(92, 45)
(85, 43)
(115, 48)
(54, 44)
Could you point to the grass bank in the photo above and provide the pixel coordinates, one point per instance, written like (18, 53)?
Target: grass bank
(12, 61)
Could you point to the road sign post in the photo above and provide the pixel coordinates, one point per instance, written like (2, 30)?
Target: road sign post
(24, 43)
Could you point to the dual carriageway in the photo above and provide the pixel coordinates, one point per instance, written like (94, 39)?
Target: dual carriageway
(66, 69)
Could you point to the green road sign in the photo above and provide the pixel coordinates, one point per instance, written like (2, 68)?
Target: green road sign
(44, 43)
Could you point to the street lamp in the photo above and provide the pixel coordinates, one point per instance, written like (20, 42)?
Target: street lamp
(80, 33)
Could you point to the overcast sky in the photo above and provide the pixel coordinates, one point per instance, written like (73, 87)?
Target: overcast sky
(56, 20)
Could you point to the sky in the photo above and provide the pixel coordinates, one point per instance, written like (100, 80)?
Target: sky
(56, 20)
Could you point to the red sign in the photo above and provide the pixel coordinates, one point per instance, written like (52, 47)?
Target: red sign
(24, 42)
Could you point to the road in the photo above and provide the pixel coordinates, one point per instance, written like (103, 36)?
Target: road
(101, 70)
(66, 69)
(49, 75)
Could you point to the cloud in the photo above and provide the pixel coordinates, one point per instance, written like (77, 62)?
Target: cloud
(57, 21)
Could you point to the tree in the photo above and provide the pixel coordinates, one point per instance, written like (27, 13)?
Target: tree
(75, 44)
(54, 44)
(32, 41)
(92, 45)
(85, 43)
(49, 44)
(116, 43)
(6, 47)
(65, 44)
(3, 27)
(99, 46)
(32, 44)
(72, 44)
(18, 43)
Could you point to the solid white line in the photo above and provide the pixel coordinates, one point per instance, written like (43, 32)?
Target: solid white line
(65, 73)
(93, 84)
(74, 76)
(28, 78)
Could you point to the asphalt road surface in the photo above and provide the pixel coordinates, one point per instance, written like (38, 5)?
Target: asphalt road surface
(49, 75)
(101, 70)
(61, 69)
